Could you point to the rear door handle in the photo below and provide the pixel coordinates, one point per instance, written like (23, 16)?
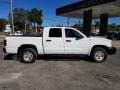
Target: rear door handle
(68, 40)
(48, 40)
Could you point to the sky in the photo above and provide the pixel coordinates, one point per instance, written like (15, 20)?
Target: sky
(49, 10)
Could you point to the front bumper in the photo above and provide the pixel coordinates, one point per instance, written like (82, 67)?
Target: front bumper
(112, 50)
(4, 50)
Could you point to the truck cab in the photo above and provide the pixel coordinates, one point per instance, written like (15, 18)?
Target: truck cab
(65, 41)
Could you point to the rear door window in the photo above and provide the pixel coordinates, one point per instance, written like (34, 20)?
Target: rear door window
(55, 32)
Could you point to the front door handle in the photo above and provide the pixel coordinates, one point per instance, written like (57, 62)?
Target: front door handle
(48, 40)
(68, 40)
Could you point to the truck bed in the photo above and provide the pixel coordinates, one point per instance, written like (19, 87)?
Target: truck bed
(14, 42)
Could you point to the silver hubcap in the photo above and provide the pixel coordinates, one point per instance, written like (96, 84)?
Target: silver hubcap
(99, 55)
(28, 56)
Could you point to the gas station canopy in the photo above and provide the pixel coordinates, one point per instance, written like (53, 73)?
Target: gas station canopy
(98, 7)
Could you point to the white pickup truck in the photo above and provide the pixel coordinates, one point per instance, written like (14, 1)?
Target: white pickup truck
(58, 41)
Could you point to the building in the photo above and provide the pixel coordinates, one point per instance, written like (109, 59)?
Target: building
(7, 28)
(92, 9)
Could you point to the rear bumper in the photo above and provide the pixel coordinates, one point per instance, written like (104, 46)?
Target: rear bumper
(112, 50)
(4, 50)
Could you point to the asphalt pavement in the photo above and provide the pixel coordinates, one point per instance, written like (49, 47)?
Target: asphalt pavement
(59, 73)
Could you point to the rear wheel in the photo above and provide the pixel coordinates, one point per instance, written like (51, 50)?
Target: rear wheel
(99, 54)
(28, 55)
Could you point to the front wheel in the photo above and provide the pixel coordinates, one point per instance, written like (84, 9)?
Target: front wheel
(28, 55)
(99, 54)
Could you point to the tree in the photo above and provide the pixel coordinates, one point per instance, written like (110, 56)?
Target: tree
(118, 27)
(112, 27)
(3, 23)
(97, 25)
(77, 26)
(21, 16)
(39, 20)
(36, 16)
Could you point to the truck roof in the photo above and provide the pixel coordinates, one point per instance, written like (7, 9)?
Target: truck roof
(59, 27)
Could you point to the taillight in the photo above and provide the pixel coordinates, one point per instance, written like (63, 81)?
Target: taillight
(5, 43)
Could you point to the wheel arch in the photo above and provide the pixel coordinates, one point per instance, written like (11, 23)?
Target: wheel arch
(102, 46)
(26, 46)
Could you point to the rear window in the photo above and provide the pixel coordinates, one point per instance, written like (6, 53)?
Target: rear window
(55, 32)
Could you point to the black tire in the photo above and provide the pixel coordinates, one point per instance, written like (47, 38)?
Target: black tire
(28, 55)
(99, 54)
